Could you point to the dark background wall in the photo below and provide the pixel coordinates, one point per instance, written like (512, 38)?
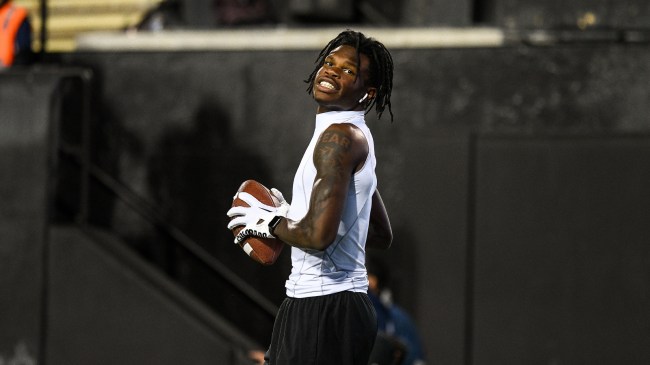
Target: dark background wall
(69, 297)
(516, 178)
(560, 249)
(510, 14)
(557, 14)
(25, 163)
(185, 128)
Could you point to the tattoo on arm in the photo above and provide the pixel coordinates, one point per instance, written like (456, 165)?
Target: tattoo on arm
(329, 158)
(330, 152)
(335, 157)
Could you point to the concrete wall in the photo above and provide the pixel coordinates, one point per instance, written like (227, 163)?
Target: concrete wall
(67, 297)
(560, 249)
(185, 128)
(25, 167)
(105, 306)
(483, 141)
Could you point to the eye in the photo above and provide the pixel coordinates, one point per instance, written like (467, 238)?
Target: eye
(348, 71)
(328, 63)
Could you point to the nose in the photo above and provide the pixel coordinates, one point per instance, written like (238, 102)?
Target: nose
(332, 71)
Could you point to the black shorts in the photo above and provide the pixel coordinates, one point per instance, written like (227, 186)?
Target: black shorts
(333, 329)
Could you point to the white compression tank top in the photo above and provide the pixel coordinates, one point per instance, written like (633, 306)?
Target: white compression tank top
(341, 267)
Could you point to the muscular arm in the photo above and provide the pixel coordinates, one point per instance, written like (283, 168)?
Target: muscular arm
(380, 234)
(340, 151)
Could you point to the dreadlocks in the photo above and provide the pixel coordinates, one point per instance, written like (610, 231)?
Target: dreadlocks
(381, 66)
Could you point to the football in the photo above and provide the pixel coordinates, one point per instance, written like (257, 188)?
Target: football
(263, 250)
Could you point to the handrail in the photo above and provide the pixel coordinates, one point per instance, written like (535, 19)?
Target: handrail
(149, 213)
(140, 206)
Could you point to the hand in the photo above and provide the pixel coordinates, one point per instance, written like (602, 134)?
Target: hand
(257, 356)
(283, 209)
(256, 217)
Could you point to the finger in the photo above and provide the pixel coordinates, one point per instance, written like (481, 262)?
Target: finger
(237, 211)
(241, 237)
(277, 194)
(248, 199)
(253, 202)
(236, 222)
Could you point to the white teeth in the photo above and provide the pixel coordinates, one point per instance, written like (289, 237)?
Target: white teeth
(327, 85)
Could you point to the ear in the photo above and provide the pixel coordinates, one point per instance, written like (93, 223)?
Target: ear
(372, 92)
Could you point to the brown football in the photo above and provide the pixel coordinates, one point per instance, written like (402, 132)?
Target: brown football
(263, 250)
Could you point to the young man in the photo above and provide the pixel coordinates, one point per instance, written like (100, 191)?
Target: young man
(336, 212)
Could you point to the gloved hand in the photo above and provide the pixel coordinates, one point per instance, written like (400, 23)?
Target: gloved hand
(256, 217)
(283, 209)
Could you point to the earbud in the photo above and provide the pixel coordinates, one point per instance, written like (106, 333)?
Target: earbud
(364, 98)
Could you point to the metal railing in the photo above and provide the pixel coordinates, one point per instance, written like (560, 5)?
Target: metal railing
(90, 174)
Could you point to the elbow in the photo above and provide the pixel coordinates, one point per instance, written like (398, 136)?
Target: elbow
(389, 240)
(301, 234)
(322, 241)
(380, 239)
(318, 239)
(386, 240)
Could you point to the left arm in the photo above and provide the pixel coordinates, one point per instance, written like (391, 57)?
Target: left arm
(380, 233)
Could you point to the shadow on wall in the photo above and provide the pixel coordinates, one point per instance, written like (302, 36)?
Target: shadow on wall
(189, 176)
(192, 175)
(107, 140)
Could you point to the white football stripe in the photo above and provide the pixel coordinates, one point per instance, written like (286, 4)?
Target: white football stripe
(248, 249)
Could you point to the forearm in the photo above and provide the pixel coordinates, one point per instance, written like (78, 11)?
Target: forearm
(380, 233)
(341, 148)
(318, 228)
(299, 234)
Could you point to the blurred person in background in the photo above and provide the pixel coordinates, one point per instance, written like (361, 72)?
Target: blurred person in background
(15, 35)
(398, 341)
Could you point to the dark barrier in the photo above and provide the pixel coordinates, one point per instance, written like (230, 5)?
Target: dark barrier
(107, 306)
(560, 250)
(558, 14)
(28, 106)
(69, 296)
(186, 128)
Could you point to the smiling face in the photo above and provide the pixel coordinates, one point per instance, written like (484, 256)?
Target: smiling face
(339, 84)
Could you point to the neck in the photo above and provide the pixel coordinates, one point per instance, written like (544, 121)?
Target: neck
(322, 109)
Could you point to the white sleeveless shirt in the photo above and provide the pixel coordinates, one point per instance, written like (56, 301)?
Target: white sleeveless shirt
(340, 267)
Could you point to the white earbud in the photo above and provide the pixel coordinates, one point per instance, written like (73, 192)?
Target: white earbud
(364, 98)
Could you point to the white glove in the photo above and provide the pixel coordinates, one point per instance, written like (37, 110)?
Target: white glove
(256, 217)
(283, 209)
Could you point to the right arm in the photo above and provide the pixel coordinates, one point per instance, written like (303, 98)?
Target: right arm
(339, 151)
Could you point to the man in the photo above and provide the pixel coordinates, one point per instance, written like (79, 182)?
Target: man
(15, 35)
(336, 212)
(400, 341)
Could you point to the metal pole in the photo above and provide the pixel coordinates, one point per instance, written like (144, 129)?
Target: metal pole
(43, 33)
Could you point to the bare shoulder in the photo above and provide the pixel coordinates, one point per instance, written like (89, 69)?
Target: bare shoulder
(344, 144)
(347, 136)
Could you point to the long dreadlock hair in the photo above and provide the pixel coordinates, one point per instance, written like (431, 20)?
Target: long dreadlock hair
(380, 69)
